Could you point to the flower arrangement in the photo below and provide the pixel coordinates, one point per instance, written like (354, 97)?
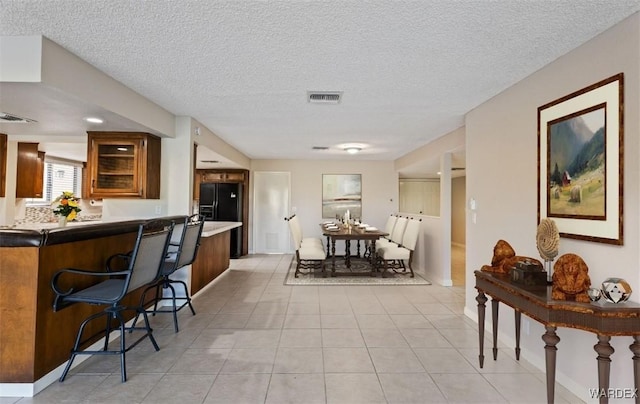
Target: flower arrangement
(68, 205)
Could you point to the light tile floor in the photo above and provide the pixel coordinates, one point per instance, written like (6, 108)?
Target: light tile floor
(255, 340)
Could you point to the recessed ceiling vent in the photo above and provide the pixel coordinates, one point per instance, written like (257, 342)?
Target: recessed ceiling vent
(8, 118)
(324, 97)
(320, 148)
(209, 161)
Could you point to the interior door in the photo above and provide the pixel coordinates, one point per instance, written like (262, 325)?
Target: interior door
(271, 196)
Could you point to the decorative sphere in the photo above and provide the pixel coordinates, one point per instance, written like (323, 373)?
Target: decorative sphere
(594, 294)
(616, 290)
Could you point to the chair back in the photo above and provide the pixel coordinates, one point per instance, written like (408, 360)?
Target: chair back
(391, 223)
(411, 233)
(398, 230)
(190, 241)
(148, 254)
(296, 233)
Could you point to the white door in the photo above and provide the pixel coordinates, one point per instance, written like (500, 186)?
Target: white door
(270, 207)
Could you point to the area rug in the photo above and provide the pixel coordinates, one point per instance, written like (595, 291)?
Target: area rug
(358, 274)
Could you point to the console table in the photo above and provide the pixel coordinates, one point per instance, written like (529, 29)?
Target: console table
(602, 318)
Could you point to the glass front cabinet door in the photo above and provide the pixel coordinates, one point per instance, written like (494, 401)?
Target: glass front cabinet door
(123, 165)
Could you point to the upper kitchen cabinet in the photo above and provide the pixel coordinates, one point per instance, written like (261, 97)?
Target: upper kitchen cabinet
(223, 176)
(30, 171)
(3, 164)
(123, 164)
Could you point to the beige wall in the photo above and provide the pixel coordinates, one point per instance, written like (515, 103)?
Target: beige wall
(501, 136)
(379, 188)
(458, 212)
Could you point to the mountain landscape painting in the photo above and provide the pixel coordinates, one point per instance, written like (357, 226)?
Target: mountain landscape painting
(576, 165)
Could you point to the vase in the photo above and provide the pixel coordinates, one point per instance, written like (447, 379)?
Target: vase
(62, 221)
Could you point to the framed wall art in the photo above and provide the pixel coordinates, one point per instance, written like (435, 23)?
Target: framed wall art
(341, 192)
(580, 162)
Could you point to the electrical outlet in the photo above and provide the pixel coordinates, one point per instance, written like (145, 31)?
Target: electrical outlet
(158, 209)
(526, 326)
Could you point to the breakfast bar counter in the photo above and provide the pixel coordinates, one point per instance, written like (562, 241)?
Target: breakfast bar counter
(35, 340)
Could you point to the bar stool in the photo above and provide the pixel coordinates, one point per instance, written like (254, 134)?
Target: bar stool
(183, 249)
(144, 264)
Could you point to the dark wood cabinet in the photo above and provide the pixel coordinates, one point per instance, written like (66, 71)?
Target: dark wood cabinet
(3, 164)
(222, 176)
(237, 176)
(30, 171)
(123, 164)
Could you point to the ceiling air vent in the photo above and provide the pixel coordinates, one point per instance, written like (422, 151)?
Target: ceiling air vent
(8, 118)
(320, 148)
(324, 97)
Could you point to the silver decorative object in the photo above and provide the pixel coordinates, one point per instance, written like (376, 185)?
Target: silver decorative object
(594, 294)
(616, 290)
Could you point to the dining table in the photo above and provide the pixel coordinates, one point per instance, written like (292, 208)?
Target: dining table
(350, 232)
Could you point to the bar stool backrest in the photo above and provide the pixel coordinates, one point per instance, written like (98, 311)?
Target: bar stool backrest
(148, 256)
(190, 242)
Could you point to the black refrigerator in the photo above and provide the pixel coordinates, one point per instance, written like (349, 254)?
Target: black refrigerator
(223, 203)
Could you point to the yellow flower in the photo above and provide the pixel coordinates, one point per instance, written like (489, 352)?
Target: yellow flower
(72, 202)
(71, 215)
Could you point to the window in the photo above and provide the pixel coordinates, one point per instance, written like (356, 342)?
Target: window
(58, 177)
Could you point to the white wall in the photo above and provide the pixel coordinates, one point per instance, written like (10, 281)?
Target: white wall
(501, 145)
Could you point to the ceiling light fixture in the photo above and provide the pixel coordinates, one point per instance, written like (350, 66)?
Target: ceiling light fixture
(352, 149)
(93, 120)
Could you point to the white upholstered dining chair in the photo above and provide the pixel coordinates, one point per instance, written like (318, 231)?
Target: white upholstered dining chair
(395, 255)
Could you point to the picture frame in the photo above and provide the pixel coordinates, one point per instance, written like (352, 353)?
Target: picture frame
(580, 162)
(341, 192)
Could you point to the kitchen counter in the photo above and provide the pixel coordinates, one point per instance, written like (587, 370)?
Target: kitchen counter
(212, 228)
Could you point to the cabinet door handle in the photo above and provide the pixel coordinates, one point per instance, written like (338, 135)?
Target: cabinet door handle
(93, 184)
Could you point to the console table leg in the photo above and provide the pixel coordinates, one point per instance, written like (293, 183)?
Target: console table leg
(518, 317)
(328, 248)
(481, 299)
(550, 339)
(635, 348)
(604, 351)
(494, 317)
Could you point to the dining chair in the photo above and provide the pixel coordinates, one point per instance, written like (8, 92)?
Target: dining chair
(308, 256)
(305, 241)
(144, 263)
(396, 235)
(388, 228)
(397, 254)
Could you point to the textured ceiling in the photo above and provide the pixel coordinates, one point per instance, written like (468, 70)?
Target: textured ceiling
(408, 70)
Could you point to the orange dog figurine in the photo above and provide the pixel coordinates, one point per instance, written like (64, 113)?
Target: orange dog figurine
(570, 279)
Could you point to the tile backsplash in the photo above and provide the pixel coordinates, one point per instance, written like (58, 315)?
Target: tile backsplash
(44, 214)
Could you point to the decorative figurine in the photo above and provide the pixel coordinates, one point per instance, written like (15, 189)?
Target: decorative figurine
(505, 258)
(571, 279)
(616, 290)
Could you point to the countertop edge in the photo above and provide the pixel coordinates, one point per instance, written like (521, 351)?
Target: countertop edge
(213, 228)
